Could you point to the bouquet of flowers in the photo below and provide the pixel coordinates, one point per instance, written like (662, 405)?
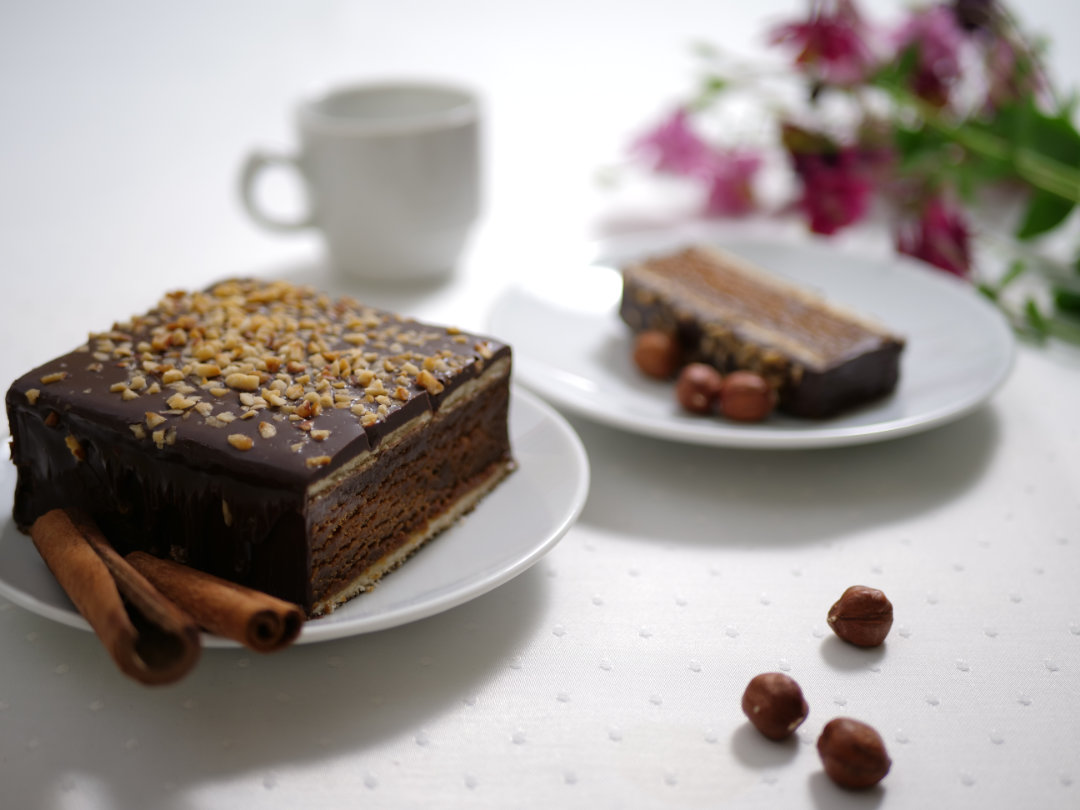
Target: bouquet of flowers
(928, 122)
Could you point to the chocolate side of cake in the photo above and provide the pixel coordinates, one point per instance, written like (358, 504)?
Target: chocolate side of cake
(369, 517)
(822, 359)
(268, 434)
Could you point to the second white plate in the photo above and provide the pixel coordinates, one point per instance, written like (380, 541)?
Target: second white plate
(571, 347)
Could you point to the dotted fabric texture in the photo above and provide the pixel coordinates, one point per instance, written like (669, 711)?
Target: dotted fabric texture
(611, 673)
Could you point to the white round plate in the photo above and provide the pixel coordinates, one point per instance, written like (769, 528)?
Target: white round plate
(511, 528)
(571, 347)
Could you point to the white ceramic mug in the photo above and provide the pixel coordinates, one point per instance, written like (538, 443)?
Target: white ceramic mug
(392, 172)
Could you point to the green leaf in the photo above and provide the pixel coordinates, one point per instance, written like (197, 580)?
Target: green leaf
(1066, 330)
(1045, 212)
(1035, 319)
(712, 86)
(1017, 267)
(897, 73)
(913, 143)
(1067, 301)
(1054, 137)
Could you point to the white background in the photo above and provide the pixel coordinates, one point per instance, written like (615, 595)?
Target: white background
(609, 675)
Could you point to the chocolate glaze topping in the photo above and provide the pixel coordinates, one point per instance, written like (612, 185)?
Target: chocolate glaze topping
(269, 382)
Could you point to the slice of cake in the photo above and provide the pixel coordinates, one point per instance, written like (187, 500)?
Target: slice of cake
(724, 311)
(267, 434)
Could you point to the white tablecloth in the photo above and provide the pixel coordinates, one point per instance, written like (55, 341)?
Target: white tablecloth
(610, 674)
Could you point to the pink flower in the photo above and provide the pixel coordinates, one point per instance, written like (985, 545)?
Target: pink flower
(730, 183)
(674, 147)
(940, 237)
(831, 43)
(937, 38)
(836, 181)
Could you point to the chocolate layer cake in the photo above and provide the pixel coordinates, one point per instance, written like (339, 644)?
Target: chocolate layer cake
(726, 312)
(267, 434)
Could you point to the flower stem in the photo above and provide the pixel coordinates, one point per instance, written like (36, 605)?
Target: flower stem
(1038, 170)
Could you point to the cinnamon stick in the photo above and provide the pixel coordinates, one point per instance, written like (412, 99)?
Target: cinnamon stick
(257, 620)
(149, 638)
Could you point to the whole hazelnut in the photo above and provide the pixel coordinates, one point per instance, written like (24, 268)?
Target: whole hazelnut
(775, 704)
(698, 388)
(861, 616)
(853, 753)
(656, 353)
(746, 397)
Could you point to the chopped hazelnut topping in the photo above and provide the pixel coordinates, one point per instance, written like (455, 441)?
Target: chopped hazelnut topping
(243, 382)
(75, 448)
(376, 388)
(56, 376)
(179, 402)
(32, 396)
(52, 420)
(207, 369)
(258, 347)
(240, 441)
(318, 461)
(428, 381)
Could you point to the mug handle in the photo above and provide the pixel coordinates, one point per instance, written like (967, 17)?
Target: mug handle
(255, 163)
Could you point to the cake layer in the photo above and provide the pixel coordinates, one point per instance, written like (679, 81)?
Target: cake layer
(372, 519)
(821, 358)
(228, 429)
